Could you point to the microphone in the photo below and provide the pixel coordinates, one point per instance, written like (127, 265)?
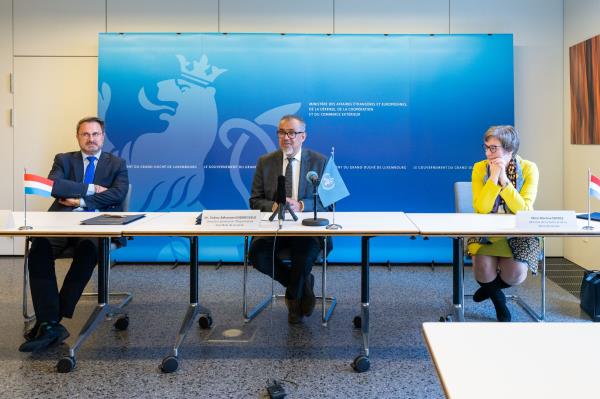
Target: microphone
(280, 195)
(312, 177)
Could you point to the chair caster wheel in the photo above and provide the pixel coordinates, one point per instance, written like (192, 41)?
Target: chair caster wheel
(357, 322)
(122, 323)
(205, 322)
(66, 364)
(169, 364)
(445, 318)
(361, 364)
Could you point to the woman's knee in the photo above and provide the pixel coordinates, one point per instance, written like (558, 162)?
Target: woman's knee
(485, 268)
(513, 272)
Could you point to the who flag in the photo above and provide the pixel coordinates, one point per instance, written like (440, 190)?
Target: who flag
(332, 187)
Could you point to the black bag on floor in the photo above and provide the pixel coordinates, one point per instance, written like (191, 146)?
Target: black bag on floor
(590, 294)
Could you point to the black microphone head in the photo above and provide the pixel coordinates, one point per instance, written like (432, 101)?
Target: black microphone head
(280, 196)
(312, 177)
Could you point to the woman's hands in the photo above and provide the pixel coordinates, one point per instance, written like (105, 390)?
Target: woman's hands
(498, 171)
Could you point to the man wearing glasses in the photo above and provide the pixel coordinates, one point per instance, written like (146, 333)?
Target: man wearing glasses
(293, 162)
(85, 180)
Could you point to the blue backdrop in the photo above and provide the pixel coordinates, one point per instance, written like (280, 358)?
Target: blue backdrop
(191, 113)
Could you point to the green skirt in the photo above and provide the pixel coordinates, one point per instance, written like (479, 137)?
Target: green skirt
(498, 247)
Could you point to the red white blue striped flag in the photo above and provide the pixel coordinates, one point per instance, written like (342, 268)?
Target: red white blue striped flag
(37, 185)
(595, 186)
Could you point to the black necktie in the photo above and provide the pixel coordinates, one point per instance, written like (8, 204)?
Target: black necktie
(289, 176)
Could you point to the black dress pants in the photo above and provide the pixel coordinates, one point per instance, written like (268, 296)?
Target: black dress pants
(50, 304)
(302, 252)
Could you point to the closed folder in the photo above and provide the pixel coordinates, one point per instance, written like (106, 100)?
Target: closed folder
(595, 216)
(112, 219)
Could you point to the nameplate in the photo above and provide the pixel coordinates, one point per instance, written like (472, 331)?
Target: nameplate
(6, 219)
(546, 220)
(231, 220)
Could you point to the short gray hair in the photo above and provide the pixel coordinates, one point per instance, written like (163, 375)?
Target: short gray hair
(506, 134)
(288, 117)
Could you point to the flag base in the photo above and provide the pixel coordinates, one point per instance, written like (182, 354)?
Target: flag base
(315, 222)
(334, 226)
(25, 228)
(588, 227)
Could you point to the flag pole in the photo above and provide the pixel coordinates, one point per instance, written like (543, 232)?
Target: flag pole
(333, 225)
(25, 226)
(589, 226)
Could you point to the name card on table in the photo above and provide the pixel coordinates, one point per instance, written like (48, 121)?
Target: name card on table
(231, 220)
(6, 219)
(546, 220)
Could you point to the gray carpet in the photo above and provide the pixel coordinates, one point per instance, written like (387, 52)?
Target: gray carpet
(315, 360)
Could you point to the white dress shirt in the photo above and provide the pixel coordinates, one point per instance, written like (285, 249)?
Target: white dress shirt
(295, 172)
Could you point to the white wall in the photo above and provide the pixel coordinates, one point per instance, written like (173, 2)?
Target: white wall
(55, 49)
(6, 131)
(582, 21)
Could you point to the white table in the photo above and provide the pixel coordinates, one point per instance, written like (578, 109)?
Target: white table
(363, 224)
(459, 226)
(515, 360)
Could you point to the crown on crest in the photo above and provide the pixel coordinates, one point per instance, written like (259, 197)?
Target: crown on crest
(199, 72)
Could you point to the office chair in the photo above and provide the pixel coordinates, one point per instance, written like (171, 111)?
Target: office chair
(463, 203)
(123, 322)
(326, 312)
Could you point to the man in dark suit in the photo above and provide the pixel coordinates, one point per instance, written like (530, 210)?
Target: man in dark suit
(292, 161)
(85, 180)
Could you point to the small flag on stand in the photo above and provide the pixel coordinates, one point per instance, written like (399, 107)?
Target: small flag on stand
(332, 187)
(593, 191)
(37, 185)
(595, 186)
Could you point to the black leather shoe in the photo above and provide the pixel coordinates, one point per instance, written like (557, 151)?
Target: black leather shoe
(307, 303)
(48, 334)
(294, 311)
(31, 333)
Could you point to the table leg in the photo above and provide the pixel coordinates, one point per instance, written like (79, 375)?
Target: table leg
(361, 363)
(67, 363)
(170, 363)
(458, 295)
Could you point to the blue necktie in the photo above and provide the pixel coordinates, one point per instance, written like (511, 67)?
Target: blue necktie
(89, 171)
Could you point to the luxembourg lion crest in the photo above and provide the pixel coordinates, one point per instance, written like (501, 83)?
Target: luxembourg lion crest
(167, 168)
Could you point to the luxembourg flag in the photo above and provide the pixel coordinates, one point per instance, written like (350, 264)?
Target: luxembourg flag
(37, 185)
(595, 186)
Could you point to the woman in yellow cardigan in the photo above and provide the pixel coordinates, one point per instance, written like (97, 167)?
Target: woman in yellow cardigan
(502, 183)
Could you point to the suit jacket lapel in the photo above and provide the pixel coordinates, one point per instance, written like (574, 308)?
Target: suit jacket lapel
(101, 165)
(78, 167)
(304, 165)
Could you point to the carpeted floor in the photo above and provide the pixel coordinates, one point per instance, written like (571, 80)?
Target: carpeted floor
(314, 360)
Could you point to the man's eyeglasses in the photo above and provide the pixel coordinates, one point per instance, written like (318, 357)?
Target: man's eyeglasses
(94, 135)
(290, 133)
(490, 148)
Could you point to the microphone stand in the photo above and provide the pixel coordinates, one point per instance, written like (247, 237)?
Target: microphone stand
(280, 212)
(315, 221)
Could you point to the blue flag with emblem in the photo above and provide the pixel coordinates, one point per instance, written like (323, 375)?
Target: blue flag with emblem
(332, 187)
